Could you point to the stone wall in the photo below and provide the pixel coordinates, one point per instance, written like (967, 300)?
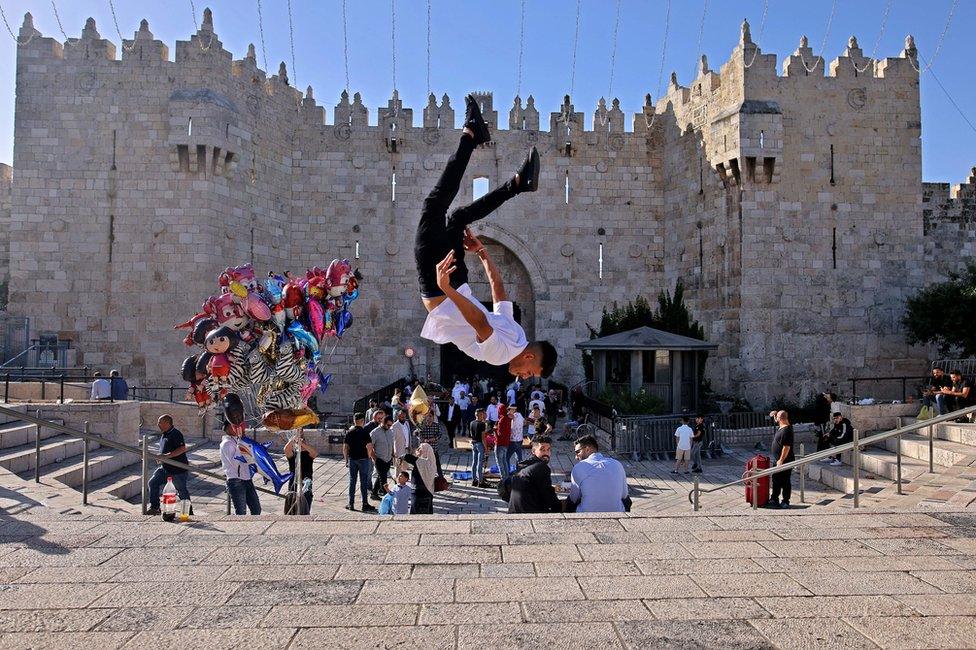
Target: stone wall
(6, 185)
(789, 205)
(949, 220)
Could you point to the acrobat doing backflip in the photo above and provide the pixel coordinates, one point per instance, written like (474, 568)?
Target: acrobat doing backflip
(454, 315)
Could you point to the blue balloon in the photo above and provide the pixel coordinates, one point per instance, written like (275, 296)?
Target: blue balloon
(324, 381)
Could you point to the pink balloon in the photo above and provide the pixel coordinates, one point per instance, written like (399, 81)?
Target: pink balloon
(257, 308)
(316, 315)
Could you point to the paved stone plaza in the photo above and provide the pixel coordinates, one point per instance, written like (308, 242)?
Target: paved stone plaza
(898, 580)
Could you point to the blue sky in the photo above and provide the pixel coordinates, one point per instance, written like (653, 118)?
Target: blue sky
(475, 46)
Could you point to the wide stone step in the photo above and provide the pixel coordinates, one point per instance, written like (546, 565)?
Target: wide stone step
(126, 483)
(841, 478)
(882, 463)
(962, 433)
(53, 450)
(945, 453)
(100, 463)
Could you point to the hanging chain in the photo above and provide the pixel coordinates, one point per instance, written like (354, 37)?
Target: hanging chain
(291, 42)
(345, 45)
(264, 52)
(11, 32)
(660, 72)
(117, 30)
(428, 48)
(518, 68)
(938, 47)
(572, 76)
(613, 50)
(193, 12)
(58, 19)
(823, 44)
(701, 34)
(393, 39)
(762, 26)
(874, 52)
(949, 97)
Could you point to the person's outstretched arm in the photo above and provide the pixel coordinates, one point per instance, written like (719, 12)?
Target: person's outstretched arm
(474, 316)
(473, 245)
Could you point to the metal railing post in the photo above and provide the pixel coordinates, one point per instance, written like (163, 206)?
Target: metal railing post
(803, 477)
(755, 493)
(857, 469)
(37, 450)
(84, 469)
(6, 388)
(171, 388)
(43, 387)
(695, 502)
(62, 388)
(145, 469)
(898, 462)
(854, 389)
(931, 449)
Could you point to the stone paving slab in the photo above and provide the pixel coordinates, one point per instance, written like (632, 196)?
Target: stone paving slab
(469, 581)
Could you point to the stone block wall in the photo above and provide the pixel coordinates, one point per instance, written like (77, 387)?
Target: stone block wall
(6, 186)
(789, 206)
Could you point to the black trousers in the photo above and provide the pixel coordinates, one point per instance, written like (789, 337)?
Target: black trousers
(438, 233)
(782, 484)
(382, 474)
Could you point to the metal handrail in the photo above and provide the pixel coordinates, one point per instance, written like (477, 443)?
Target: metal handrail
(26, 350)
(695, 493)
(88, 437)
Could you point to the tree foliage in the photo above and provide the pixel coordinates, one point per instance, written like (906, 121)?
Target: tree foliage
(942, 314)
(671, 315)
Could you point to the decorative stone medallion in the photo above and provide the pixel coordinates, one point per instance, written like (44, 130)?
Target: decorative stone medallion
(857, 98)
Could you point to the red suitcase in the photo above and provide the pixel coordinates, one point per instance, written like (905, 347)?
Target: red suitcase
(756, 464)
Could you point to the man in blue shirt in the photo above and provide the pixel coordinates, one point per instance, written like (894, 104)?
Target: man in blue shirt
(120, 388)
(599, 484)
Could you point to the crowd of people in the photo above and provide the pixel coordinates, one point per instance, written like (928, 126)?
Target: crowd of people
(396, 462)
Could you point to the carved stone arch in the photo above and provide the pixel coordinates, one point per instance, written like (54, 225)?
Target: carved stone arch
(511, 241)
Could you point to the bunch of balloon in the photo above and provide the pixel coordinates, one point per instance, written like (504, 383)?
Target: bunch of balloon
(264, 339)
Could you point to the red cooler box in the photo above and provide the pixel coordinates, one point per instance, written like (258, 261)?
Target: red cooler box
(756, 464)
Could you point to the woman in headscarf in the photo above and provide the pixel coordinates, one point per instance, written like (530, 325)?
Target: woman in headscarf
(424, 473)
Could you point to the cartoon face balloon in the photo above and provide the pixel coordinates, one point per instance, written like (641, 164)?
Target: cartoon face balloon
(221, 340)
(227, 311)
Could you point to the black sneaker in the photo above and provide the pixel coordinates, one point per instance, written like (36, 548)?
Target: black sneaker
(696, 471)
(351, 507)
(784, 505)
(369, 508)
(474, 121)
(529, 173)
(152, 512)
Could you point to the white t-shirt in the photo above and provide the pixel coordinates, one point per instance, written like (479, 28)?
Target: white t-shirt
(518, 425)
(446, 324)
(538, 402)
(537, 395)
(684, 434)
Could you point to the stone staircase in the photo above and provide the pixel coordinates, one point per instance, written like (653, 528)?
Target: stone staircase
(114, 475)
(954, 459)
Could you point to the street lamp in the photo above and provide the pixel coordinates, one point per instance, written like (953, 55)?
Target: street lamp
(409, 353)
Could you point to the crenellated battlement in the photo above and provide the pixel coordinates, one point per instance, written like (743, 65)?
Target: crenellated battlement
(204, 58)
